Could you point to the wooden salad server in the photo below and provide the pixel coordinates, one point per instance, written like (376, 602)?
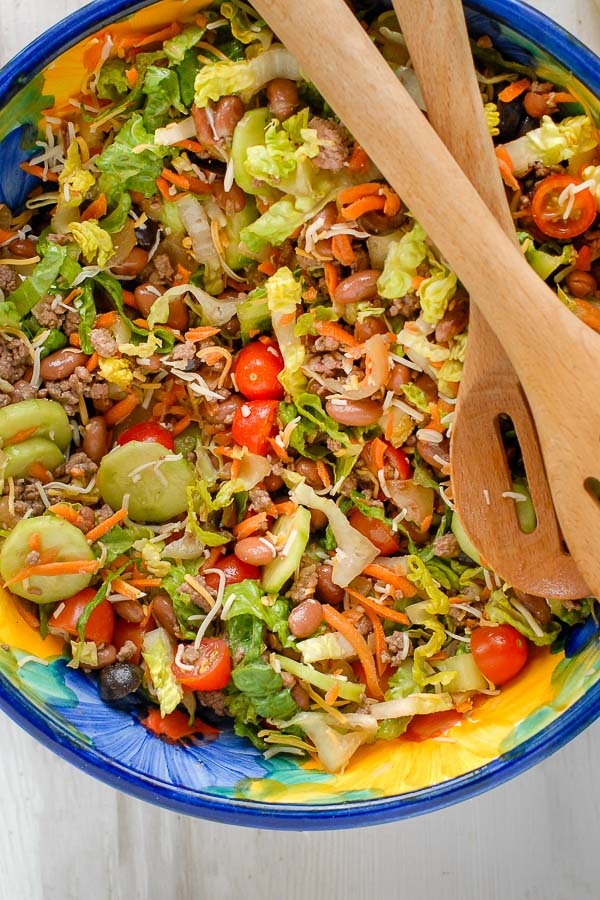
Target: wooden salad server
(556, 357)
(538, 562)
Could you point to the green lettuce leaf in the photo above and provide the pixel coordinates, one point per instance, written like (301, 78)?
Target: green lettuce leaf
(74, 181)
(421, 577)
(245, 77)
(243, 28)
(436, 292)
(43, 277)
(9, 315)
(421, 671)
(176, 47)
(161, 86)
(274, 226)
(572, 616)
(284, 294)
(112, 81)
(416, 396)
(264, 689)
(401, 263)
(499, 609)
(157, 652)
(248, 601)
(552, 143)
(126, 170)
(392, 728)
(543, 261)
(117, 218)
(95, 243)
(182, 605)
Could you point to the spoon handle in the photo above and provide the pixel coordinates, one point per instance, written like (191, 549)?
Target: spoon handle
(536, 563)
(555, 355)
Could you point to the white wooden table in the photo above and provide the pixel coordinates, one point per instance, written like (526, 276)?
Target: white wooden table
(64, 836)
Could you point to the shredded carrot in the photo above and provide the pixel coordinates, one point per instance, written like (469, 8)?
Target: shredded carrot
(417, 282)
(588, 313)
(202, 333)
(121, 410)
(107, 319)
(584, 259)
(250, 526)
(398, 582)
(193, 146)
(514, 90)
(163, 186)
(105, 526)
(38, 171)
(357, 192)
(37, 470)
(337, 332)
(96, 209)
(35, 542)
(145, 582)
(21, 436)
(332, 694)
(285, 508)
(323, 473)
(92, 362)
(359, 161)
(379, 635)
(55, 569)
(126, 588)
(181, 426)
(213, 557)
(378, 449)
(143, 40)
(71, 296)
(235, 468)
(392, 202)
(426, 523)
(141, 322)
(267, 268)
(464, 706)
(435, 424)
(341, 247)
(360, 207)
(331, 278)
(337, 622)
(132, 76)
(562, 97)
(65, 512)
(180, 181)
(280, 452)
(384, 611)
(506, 167)
(6, 235)
(25, 612)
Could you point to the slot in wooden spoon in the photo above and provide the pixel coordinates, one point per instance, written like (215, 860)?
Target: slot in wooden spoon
(556, 357)
(489, 386)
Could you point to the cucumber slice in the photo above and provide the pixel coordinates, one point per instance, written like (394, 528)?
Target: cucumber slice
(464, 541)
(468, 676)
(47, 417)
(293, 532)
(20, 457)
(249, 214)
(249, 132)
(157, 493)
(58, 539)
(525, 508)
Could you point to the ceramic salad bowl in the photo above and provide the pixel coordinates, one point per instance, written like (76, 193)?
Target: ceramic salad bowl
(222, 776)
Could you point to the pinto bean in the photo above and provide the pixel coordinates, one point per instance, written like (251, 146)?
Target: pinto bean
(305, 618)
(221, 412)
(369, 326)
(318, 520)
(273, 483)
(129, 610)
(145, 295)
(106, 657)
(162, 610)
(398, 376)
(581, 284)
(300, 696)
(231, 201)
(358, 287)
(255, 551)
(134, 264)
(376, 222)
(428, 386)
(537, 606)
(436, 455)
(282, 95)
(310, 472)
(228, 112)
(61, 364)
(22, 249)
(536, 104)
(355, 412)
(326, 590)
(95, 439)
(452, 323)
(204, 131)
(179, 316)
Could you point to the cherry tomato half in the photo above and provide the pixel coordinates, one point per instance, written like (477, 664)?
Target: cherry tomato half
(421, 728)
(130, 631)
(253, 423)
(148, 432)
(100, 625)
(235, 571)
(211, 671)
(256, 369)
(548, 210)
(398, 460)
(380, 534)
(500, 652)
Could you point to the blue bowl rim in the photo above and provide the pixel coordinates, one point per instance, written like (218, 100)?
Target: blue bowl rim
(585, 65)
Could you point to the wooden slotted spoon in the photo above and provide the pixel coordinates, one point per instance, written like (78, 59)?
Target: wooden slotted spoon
(555, 356)
(536, 563)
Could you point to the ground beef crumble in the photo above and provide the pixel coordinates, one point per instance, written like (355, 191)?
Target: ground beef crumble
(334, 150)
(9, 280)
(306, 582)
(14, 358)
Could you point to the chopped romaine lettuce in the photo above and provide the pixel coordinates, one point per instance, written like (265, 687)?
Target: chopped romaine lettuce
(284, 294)
(552, 143)
(500, 609)
(95, 243)
(245, 77)
(401, 264)
(436, 292)
(158, 654)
